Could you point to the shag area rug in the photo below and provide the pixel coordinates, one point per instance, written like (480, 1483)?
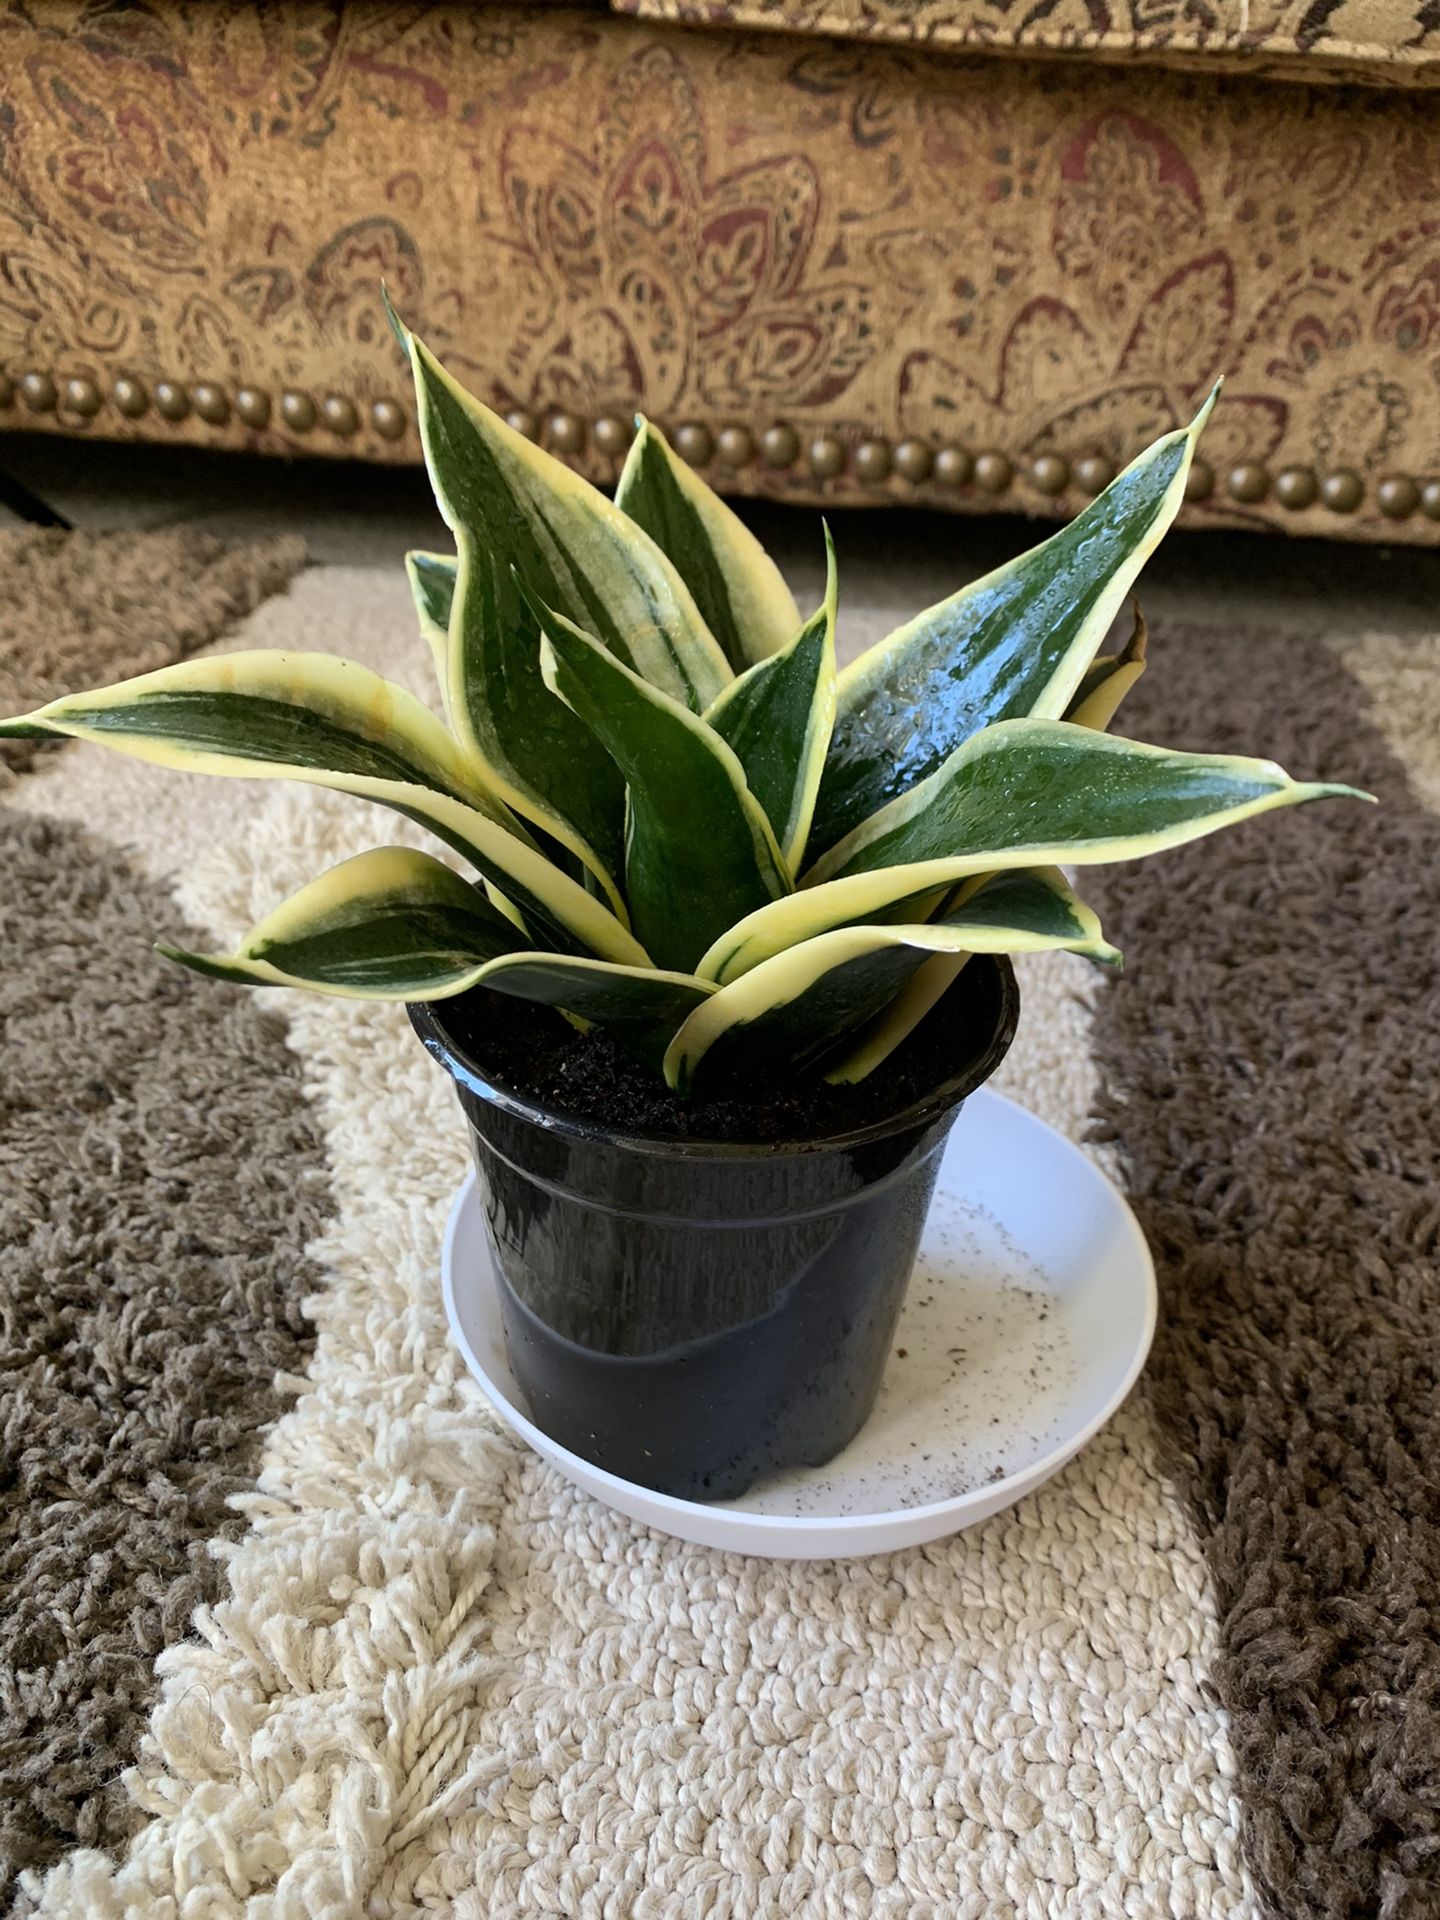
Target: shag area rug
(292, 1629)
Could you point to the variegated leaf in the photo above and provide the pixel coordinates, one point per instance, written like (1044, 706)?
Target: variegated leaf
(574, 547)
(1103, 686)
(1012, 645)
(515, 510)
(1025, 793)
(737, 586)
(777, 716)
(699, 851)
(640, 1006)
(432, 588)
(785, 1016)
(1107, 680)
(268, 708)
(895, 1023)
(329, 723)
(393, 924)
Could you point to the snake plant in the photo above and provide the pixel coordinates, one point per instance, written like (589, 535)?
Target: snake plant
(688, 827)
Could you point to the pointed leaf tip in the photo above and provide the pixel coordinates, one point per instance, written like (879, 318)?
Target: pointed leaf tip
(1015, 644)
(736, 585)
(397, 325)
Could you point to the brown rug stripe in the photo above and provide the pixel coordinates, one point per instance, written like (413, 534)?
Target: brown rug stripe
(82, 609)
(159, 1178)
(1270, 1065)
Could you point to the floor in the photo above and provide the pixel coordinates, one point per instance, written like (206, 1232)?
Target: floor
(354, 514)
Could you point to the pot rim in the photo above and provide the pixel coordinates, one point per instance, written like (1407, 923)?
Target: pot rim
(427, 1018)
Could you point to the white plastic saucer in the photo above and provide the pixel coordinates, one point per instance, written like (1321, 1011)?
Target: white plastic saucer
(1028, 1318)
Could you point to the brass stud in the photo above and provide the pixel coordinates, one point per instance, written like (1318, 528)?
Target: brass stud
(297, 410)
(1397, 496)
(779, 446)
(171, 400)
(953, 467)
(523, 421)
(735, 446)
(914, 461)
(338, 415)
(37, 390)
(388, 419)
(1296, 488)
(1430, 499)
(129, 397)
(1049, 473)
(81, 396)
(7, 391)
(872, 461)
(1247, 482)
(1343, 490)
(826, 456)
(1200, 481)
(566, 433)
(253, 406)
(210, 403)
(993, 472)
(694, 443)
(610, 435)
(1094, 473)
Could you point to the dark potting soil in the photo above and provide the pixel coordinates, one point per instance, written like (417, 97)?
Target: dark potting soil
(532, 1051)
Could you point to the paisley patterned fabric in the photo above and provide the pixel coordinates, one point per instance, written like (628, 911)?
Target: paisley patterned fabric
(1374, 42)
(198, 205)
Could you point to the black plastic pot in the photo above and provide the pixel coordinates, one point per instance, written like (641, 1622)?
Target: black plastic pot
(692, 1315)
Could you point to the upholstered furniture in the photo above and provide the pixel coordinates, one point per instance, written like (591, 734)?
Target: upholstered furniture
(962, 252)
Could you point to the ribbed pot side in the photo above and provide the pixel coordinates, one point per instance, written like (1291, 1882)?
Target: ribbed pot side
(691, 1315)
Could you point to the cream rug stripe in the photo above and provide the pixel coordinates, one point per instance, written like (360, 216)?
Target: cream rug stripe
(444, 1683)
(1404, 691)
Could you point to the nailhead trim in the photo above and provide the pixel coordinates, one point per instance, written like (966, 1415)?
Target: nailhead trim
(1200, 481)
(338, 415)
(611, 435)
(779, 446)
(1296, 488)
(735, 446)
(827, 456)
(872, 461)
(253, 406)
(211, 403)
(1342, 491)
(1049, 474)
(695, 443)
(388, 419)
(1094, 472)
(993, 472)
(81, 395)
(1397, 496)
(37, 390)
(565, 433)
(298, 411)
(171, 400)
(129, 398)
(953, 467)
(1248, 483)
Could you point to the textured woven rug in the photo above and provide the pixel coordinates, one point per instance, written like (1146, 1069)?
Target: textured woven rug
(1196, 1676)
